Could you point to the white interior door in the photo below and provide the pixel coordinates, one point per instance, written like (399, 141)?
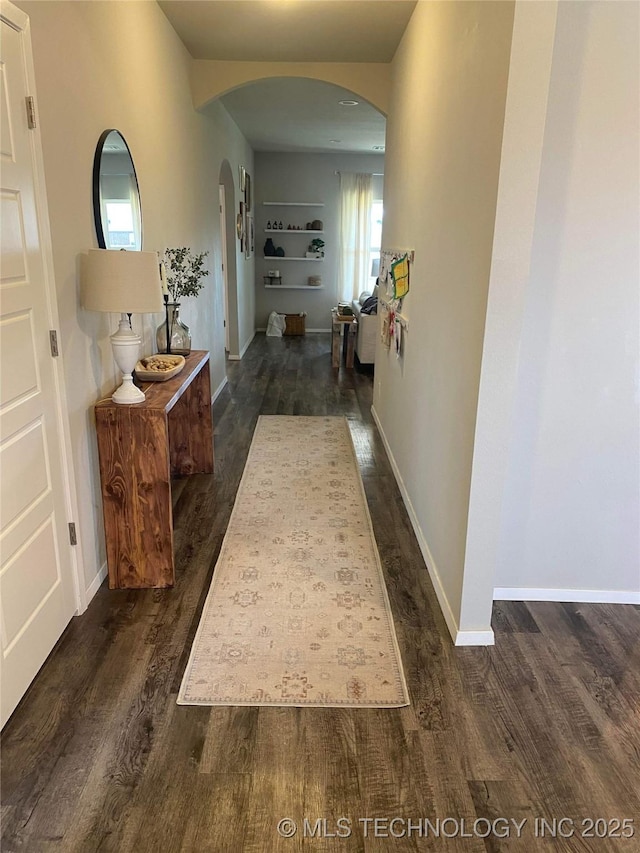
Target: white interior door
(37, 575)
(225, 280)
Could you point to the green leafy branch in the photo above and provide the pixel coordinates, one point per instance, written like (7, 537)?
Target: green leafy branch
(185, 271)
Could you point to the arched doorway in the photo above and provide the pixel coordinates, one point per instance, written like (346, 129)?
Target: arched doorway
(305, 134)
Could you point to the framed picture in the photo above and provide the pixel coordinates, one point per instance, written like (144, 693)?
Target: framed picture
(243, 175)
(247, 190)
(249, 235)
(240, 224)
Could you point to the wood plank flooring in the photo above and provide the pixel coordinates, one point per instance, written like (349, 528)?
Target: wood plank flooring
(98, 756)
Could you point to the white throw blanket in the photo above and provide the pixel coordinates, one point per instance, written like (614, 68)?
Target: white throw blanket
(275, 325)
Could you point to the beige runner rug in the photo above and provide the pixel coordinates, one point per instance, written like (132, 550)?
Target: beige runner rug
(298, 612)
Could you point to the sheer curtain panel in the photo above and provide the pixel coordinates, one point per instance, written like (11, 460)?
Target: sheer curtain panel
(356, 199)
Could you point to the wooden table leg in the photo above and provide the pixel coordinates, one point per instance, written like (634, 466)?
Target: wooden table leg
(351, 333)
(191, 429)
(335, 341)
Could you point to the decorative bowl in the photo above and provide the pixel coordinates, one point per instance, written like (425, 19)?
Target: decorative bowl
(159, 368)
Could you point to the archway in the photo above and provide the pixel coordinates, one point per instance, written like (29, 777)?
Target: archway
(286, 121)
(369, 81)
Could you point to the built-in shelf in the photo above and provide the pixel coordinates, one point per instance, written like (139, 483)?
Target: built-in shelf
(292, 231)
(293, 203)
(276, 259)
(294, 286)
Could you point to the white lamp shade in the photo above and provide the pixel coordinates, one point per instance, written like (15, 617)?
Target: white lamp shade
(122, 282)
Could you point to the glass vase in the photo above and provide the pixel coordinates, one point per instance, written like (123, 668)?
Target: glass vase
(180, 336)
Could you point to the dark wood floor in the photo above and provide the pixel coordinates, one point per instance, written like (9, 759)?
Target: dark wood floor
(98, 756)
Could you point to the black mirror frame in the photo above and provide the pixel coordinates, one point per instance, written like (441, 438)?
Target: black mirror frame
(97, 210)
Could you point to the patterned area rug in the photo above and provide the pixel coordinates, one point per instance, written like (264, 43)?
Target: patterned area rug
(298, 612)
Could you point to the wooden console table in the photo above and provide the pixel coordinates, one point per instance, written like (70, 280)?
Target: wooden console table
(141, 447)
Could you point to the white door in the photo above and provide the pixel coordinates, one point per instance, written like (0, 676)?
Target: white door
(37, 574)
(225, 280)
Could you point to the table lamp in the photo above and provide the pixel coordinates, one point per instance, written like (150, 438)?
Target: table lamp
(125, 283)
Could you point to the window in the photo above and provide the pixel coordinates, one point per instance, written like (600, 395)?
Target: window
(376, 242)
(119, 203)
(120, 228)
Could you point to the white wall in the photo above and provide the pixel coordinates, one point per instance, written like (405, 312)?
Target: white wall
(522, 141)
(120, 65)
(570, 516)
(540, 498)
(441, 173)
(227, 142)
(302, 177)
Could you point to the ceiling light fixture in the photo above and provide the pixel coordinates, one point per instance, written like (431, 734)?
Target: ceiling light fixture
(348, 103)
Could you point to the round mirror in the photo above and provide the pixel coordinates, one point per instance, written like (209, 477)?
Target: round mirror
(116, 198)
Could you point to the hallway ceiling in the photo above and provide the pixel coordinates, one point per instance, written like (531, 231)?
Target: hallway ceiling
(295, 114)
(290, 30)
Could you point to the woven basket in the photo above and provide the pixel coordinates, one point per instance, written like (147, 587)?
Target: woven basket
(295, 324)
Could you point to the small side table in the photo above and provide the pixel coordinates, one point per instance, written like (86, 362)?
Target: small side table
(350, 325)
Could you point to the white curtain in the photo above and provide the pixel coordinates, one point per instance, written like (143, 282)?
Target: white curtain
(356, 198)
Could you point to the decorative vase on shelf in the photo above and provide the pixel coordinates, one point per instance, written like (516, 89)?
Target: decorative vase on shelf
(179, 334)
(269, 248)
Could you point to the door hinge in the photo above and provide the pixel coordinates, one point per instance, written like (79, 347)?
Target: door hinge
(53, 343)
(222, 265)
(31, 112)
(73, 537)
(224, 324)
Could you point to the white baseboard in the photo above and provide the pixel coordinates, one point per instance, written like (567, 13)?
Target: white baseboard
(216, 393)
(96, 583)
(475, 638)
(584, 596)
(460, 638)
(244, 348)
(248, 344)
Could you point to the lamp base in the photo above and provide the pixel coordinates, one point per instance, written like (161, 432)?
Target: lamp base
(127, 393)
(126, 347)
